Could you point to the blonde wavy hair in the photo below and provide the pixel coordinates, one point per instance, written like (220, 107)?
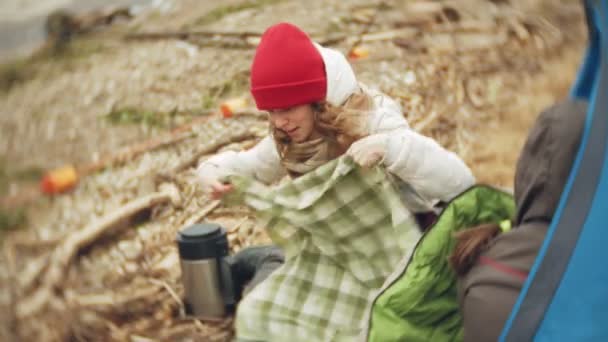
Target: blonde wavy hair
(339, 127)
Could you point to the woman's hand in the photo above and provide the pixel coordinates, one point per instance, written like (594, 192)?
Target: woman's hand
(370, 150)
(220, 189)
(210, 178)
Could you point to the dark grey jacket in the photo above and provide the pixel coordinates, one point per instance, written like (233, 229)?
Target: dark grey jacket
(489, 290)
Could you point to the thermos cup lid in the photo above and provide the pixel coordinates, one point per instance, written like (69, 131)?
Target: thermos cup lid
(202, 241)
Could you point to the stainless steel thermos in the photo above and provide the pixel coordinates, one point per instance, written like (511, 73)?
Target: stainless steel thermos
(206, 274)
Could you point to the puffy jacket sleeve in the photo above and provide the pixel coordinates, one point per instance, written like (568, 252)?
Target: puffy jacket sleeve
(432, 171)
(261, 162)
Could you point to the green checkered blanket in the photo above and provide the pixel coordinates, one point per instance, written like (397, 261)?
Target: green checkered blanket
(343, 229)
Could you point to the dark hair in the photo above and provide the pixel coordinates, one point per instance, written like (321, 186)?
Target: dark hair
(470, 243)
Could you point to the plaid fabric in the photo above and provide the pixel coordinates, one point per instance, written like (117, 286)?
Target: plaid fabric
(343, 229)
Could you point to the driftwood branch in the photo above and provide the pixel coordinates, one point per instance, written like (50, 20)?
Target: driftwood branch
(191, 161)
(233, 136)
(426, 122)
(65, 252)
(203, 212)
(189, 34)
(252, 38)
(31, 273)
(177, 135)
(368, 25)
(178, 300)
(212, 38)
(9, 255)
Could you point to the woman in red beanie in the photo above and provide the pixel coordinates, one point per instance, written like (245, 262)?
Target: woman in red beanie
(318, 112)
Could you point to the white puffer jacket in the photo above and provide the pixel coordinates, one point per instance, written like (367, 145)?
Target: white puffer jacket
(428, 172)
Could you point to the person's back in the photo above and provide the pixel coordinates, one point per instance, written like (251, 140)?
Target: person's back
(492, 270)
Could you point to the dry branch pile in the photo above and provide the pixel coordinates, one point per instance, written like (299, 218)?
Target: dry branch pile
(101, 263)
(106, 264)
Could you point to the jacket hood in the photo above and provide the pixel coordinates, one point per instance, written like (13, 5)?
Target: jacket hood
(546, 159)
(341, 80)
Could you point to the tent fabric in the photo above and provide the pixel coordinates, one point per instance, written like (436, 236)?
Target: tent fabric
(343, 230)
(564, 298)
(419, 302)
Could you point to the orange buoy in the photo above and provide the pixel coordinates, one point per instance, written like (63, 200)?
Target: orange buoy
(231, 106)
(59, 180)
(358, 52)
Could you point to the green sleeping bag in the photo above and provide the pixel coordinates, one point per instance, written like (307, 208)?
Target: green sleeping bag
(419, 301)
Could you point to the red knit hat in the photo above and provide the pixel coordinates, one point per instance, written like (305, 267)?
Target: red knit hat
(287, 69)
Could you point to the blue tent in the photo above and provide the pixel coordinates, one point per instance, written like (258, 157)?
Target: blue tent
(565, 297)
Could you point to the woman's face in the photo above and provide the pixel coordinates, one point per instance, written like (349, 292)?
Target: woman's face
(297, 122)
